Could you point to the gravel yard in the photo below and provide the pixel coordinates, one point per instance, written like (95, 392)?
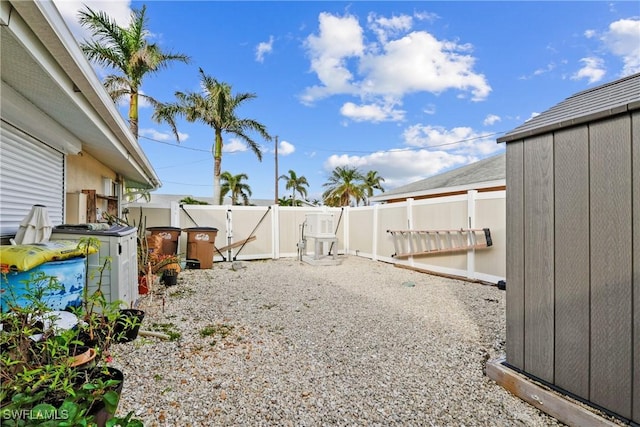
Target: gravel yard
(284, 343)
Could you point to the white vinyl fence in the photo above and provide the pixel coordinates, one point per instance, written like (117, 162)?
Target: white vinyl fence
(361, 231)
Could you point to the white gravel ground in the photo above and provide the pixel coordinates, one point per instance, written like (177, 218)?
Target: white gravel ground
(284, 343)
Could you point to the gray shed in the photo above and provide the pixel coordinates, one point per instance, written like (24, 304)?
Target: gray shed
(573, 247)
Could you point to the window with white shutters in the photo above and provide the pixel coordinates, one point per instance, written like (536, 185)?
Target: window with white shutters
(31, 172)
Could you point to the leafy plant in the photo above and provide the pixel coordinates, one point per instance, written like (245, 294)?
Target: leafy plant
(126, 421)
(30, 345)
(39, 384)
(160, 262)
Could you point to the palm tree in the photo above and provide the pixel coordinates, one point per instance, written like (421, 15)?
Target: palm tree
(127, 51)
(133, 194)
(233, 184)
(372, 181)
(296, 184)
(344, 185)
(216, 107)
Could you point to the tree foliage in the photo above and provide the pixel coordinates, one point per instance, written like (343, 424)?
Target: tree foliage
(216, 106)
(347, 186)
(372, 181)
(191, 201)
(128, 51)
(235, 187)
(295, 183)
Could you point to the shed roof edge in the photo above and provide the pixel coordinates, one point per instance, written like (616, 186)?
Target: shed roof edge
(632, 106)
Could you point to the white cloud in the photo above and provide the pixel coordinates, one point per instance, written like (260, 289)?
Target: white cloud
(593, 70)
(339, 39)
(285, 148)
(623, 39)
(435, 149)
(400, 63)
(119, 10)
(162, 136)
(419, 62)
(399, 167)
(534, 114)
(429, 109)
(426, 16)
(263, 48)
(491, 119)
(388, 27)
(590, 34)
(459, 140)
(550, 67)
(234, 145)
(371, 112)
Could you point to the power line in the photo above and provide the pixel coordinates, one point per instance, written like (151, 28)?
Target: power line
(174, 145)
(350, 151)
(189, 184)
(184, 164)
(406, 149)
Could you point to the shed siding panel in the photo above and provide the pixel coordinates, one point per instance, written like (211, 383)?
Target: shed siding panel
(611, 274)
(572, 260)
(515, 255)
(636, 265)
(539, 255)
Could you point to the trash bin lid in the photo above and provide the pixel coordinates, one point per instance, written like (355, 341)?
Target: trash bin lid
(164, 228)
(201, 229)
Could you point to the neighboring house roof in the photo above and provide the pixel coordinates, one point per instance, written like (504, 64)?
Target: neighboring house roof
(592, 104)
(486, 173)
(42, 61)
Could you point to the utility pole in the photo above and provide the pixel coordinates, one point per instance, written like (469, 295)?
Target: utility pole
(276, 201)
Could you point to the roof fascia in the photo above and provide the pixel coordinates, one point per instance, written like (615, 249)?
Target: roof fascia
(516, 136)
(475, 186)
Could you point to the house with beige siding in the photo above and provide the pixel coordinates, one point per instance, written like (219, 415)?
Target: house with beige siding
(63, 143)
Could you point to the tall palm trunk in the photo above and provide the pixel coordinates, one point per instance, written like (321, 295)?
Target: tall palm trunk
(133, 114)
(217, 160)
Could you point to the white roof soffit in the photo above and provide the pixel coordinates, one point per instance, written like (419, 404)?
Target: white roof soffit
(22, 114)
(443, 190)
(42, 62)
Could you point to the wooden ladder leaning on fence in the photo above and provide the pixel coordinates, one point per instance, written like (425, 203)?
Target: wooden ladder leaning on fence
(426, 242)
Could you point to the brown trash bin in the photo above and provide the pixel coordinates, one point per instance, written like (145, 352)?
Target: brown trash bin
(200, 245)
(169, 238)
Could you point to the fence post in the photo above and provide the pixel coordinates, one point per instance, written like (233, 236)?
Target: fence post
(410, 201)
(275, 230)
(374, 233)
(175, 214)
(229, 223)
(345, 229)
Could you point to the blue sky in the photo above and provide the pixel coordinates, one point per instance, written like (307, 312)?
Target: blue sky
(408, 89)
